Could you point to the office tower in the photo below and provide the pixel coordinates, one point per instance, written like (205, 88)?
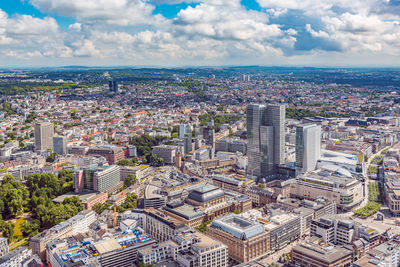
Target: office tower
(99, 179)
(113, 85)
(308, 147)
(60, 145)
(182, 130)
(276, 118)
(266, 138)
(209, 133)
(44, 132)
(188, 143)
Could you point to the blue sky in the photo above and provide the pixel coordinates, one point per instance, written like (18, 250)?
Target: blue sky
(206, 32)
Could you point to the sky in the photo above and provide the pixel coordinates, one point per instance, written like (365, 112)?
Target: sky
(172, 33)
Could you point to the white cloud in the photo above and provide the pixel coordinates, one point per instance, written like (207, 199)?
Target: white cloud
(75, 27)
(214, 31)
(85, 49)
(118, 12)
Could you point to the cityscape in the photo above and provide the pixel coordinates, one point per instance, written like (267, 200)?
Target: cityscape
(210, 133)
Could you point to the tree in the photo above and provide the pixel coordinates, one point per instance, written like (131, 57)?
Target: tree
(13, 197)
(99, 208)
(261, 186)
(126, 162)
(74, 202)
(130, 201)
(52, 157)
(7, 228)
(130, 180)
(30, 229)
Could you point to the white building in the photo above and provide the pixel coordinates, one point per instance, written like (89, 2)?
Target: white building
(308, 147)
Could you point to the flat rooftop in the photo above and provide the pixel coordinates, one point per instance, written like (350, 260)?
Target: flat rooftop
(238, 226)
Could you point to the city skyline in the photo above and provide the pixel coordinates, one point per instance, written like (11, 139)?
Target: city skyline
(199, 33)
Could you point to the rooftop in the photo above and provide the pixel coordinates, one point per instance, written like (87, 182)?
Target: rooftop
(205, 193)
(238, 226)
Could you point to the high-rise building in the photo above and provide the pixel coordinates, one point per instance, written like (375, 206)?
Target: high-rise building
(209, 133)
(113, 85)
(60, 145)
(105, 179)
(44, 132)
(188, 147)
(308, 147)
(183, 129)
(266, 138)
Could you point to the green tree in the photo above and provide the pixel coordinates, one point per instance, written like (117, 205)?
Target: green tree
(130, 180)
(99, 208)
(51, 157)
(30, 229)
(7, 228)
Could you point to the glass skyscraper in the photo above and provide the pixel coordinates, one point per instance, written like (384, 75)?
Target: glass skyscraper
(266, 138)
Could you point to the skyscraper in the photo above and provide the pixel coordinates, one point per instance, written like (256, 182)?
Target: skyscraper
(188, 143)
(44, 132)
(182, 130)
(266, 138)
(60, 145)
(209, 133)
(308, 147)
(113, 85)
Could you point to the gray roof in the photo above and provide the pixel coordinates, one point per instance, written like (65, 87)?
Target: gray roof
(238, 226)
(206, 193)
(186, 211)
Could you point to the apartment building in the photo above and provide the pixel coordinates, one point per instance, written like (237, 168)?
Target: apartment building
(78, 224)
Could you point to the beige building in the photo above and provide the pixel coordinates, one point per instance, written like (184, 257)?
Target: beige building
(392, 193)
(246, 240)
(206, 203)
(342, 188)
(44, 132)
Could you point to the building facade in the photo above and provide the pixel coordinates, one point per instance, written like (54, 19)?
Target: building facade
(266, 138)
(308, 147)
(246, 240)
(44, 132)
(60, 145)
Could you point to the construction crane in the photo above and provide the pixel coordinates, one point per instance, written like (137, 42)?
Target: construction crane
(115, 216)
